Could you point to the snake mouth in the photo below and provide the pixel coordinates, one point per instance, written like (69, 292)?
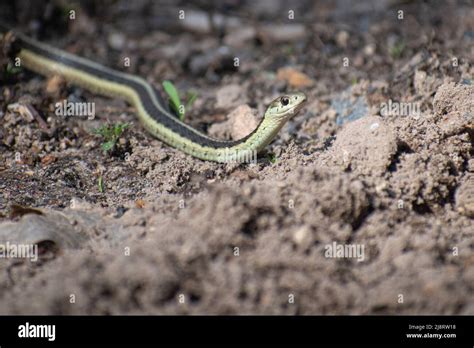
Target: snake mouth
(301, 102)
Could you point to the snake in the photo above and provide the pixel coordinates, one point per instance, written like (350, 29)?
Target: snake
(149, 105)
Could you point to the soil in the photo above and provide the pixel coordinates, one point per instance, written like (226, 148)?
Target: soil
(146, 229)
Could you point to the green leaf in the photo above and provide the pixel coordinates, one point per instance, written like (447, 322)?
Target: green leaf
(172, 92)
(101, 184)
(175, 101)
(107, 146)
(288, 49)
(272, 158)
(119, 128)
(192, 96)
(397, 50)
(12, 69)
(110, 134)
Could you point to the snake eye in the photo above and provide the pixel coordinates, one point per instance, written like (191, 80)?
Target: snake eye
(285, 101)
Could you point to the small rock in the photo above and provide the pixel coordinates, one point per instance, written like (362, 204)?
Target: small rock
(240, 37)
(366, 145)
(220, 130)
(342, 38)
(303, 237)
(196, 21)
(470, 165)
(240, 122)
(282, 32)
(79, 204)
(369, 50)
(199, 22)
(294, 77)
(116, 41)
(374, 126)
(230, 96)
(243, 121)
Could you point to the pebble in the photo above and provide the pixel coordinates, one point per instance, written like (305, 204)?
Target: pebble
(374, 126)
(369, 50)
(240, 122)
(243, 121)
(302, 237)
(470, 165)
(240, 37)
(199, 22)
(282, 32)
(116, 41)
(230, 96)
(342, 38)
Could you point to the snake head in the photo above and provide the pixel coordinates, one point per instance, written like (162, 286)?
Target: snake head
(286, 106)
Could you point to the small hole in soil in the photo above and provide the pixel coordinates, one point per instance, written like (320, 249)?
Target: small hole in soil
(47, 248)
(194, 298)
(422, 208)
(402, 147)
(242, 295)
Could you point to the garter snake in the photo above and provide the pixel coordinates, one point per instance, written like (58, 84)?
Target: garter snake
(150, 107)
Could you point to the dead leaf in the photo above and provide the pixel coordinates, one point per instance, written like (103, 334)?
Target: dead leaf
(54, 85)
(48, 159)
(29, 112)
(294, 77)
(140, 203)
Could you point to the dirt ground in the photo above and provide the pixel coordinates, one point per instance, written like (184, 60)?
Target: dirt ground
(164, 233)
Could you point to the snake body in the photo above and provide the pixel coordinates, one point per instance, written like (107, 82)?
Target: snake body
(153, 115)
